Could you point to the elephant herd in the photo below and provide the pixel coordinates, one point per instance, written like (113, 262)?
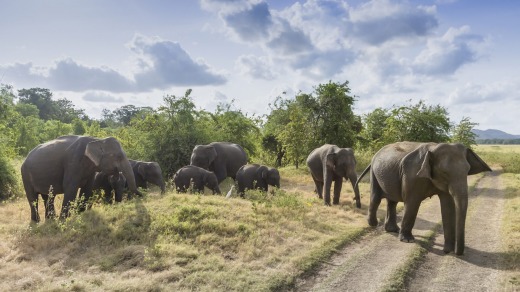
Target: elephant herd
(405, 172)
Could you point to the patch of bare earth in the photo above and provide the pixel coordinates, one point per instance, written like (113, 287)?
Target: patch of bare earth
(371, 263)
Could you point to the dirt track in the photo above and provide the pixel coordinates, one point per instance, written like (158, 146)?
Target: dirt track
(372, 263)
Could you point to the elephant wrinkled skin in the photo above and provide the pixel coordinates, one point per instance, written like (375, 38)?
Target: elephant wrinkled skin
(197, 177)
(147, 172)
(410, 172)
(109, 183)
(330, 163)
(256, 176)
(68, 164)
(223, 158)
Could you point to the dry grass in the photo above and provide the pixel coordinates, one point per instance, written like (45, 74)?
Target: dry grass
(511, 230)
(180, 241)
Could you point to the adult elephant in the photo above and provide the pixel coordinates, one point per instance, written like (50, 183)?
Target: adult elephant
(223, 158)
(147, 172)
(109, 183)
(196, 177)
(410, 172)
(68, 165)
(330, 163)
(256, 176)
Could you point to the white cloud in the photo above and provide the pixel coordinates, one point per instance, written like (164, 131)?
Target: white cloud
(255, 67)
(99, 96)
(445, 55)
(161, 64)
(165, 63)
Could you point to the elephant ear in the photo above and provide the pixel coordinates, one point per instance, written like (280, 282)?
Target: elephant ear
(261, 172)
(331, 160)
(141, 169)
(94, 151)
(426, 169)
(477, 165)
(212, 154)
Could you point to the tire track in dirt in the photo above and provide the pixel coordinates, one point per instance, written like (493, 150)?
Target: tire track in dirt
(369, 263)
(479, 268)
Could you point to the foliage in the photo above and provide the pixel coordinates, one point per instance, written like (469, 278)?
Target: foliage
(462, 133)
(419, 122)
(296, 126)
(372, 136)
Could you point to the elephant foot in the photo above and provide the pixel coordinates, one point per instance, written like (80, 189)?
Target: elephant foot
(392, 228)
(335, 202)
(326, 203)
(406, 236)
(372, 221)
(448, 248)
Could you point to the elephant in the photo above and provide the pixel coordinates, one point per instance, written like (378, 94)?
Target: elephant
(256, 176)
(109, 182)
(67, 165)
(199, 177)
(223, 158)
(410, 172)
(330, 163)
(147, 172)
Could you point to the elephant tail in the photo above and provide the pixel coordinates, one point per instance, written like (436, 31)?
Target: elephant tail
(230, 191)
(362, 175)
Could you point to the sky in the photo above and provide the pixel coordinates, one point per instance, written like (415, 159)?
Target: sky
(461, 54)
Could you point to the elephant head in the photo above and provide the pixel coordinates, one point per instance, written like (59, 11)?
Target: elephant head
(271, 176)
(151, 172)
(210, 181)
(203, 156)
(447, 167)
(109, 157)
(118, 183)
(343, 164)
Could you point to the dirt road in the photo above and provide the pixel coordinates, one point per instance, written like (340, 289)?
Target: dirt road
(378, 261)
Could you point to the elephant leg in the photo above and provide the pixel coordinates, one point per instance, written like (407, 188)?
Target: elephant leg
(33, 204)
(448, 221)
(410, 214)
(376, 194)
(326, 189)
(391, 217)
(337, 190)
(48, 201)
(319, 188)
(107, 196)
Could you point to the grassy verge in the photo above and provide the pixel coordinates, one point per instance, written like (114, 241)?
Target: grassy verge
(511, 231)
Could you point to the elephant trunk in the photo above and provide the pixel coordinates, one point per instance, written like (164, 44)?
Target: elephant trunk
(461, 207)
(127, 171)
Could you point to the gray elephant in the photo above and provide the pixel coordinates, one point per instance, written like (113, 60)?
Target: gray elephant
(410, 172)
(197, 177)
(256, 176)
(69, 164)
(109, 183)
(223, 158)
(330, 163)
(147, 172)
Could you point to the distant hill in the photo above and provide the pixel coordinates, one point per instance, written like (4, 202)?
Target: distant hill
(494, 134)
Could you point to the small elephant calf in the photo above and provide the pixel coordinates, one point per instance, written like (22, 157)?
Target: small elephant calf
(256, 176)
(196, 176)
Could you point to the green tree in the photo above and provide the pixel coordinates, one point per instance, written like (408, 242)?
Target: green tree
(293, 136)
(462, 133)
(419, 122)
(374, 126)
(78, 127)
(232, 125)
(335, 122)
(42, 99)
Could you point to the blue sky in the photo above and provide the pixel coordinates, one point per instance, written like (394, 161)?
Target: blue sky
(463, 55)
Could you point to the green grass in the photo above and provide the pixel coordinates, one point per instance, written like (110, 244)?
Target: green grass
(511, 230)
(507, 156)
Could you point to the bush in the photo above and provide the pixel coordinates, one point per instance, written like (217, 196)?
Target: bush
(8, 179)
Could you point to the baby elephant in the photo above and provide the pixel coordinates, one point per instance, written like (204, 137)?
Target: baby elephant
(197, 176)
(256, 176)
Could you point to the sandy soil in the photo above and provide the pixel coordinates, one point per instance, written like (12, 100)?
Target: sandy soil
(372, 262)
